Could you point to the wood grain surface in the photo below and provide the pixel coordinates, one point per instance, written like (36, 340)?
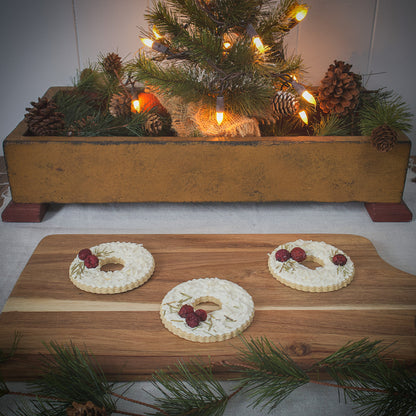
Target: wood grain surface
(125, 333)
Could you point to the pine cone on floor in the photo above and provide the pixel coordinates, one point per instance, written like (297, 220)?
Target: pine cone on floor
(284, 104)
(112, 63)
(87, 409)
(42, 119)
(339, 90)
(383, 138)
(120, 105)
(153, 124)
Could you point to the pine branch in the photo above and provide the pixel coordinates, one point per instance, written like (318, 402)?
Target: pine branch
(190, 390)
(274, 21)
(352, 359)
(190, 10)
(163, 17)
(269, 374)
(331, 125)
(73, 376)
(399, 392)
(75, 106)
(187, 82)
(137, 402)
(388, 109)
(361, 371)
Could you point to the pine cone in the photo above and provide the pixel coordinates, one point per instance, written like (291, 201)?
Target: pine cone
(87, 409)
(154, 124)
(383, 138)
(120, 105)
(284, 104)
(112, 63)
(339, 90)
(43, 119)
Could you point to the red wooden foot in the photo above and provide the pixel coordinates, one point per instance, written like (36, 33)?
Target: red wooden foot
(389, 212)
(15, 212)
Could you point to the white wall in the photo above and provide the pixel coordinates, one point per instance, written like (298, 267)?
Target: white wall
(44, 42)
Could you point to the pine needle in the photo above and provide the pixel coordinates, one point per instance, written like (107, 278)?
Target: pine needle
(72, 375)
(387, 109)
(190, 389)
(331, 125)
(269, 374)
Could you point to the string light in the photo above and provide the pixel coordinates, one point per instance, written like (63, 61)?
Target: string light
(157, 46)
(308, 97)
(255, 38)
(300, 11)
(220, 109)
(156, 33)
(135, 106)
(296, 15)
(303, 92)
(303, 116)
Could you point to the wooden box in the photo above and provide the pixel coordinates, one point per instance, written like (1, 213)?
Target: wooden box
(178, 169)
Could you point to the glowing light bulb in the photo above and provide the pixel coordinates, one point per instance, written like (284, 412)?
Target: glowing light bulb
(156, 33)
(220, 109)
(301, 12)
(308, 97)
(136, 106)
(303, 116)
(259, 44)
(147, 42)
(226, 45)
(155, 45)
(255, 37)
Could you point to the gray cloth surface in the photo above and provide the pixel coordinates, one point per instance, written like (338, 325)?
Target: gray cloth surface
(395, 243)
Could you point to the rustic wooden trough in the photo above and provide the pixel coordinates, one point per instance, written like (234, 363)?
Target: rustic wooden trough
(67, 170)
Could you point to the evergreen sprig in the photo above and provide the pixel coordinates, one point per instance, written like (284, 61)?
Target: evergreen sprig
(376, 385)
(189, 390)
(269, 375)
(361, 370)
(385, 109)
(331, 125)
(72, 375)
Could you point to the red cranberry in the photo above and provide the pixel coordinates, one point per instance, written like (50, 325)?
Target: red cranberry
(339, 259)
(201, 314)
(185, 311)
(298, 254)
(84, 253)
(91, 261)
(192, 319)
(282, 255)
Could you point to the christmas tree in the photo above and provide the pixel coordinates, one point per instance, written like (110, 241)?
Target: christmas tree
(218, 68)
(223, 60)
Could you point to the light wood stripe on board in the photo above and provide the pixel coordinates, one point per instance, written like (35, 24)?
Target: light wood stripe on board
(55, 305)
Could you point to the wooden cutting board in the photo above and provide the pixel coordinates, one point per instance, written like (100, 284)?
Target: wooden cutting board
(126, 336)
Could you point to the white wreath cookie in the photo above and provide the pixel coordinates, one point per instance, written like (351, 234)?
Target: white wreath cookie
(86, 274)
(336, 270)
(234, 316)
